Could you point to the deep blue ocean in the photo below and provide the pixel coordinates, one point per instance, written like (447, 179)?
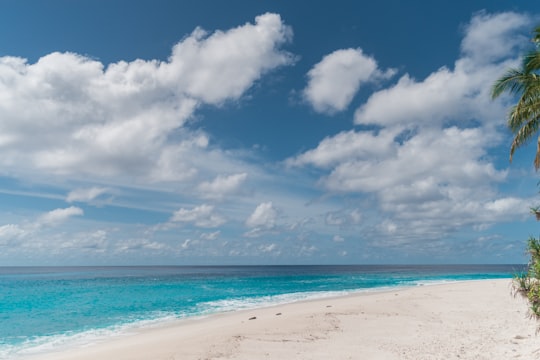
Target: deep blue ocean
(46, 308)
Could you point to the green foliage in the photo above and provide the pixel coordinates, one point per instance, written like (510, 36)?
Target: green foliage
(524, 123)
(524, 82)
(527, 283)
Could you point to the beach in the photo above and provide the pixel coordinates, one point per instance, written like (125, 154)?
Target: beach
(461, 320)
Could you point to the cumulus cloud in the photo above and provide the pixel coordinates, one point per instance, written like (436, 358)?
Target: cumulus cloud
(10, 233)
(222, 186)
(459, 94)
(490, 38)
(94, 241)
(505, 205)
(346, 146)
(333, 82)
(427, 163)
(59, 215)
(232, 60)
(31, 233)
(343, 218)
(422, 156)
(126, 119)
(200, 216)
(264, 216)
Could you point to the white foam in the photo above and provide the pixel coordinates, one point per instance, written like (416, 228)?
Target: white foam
(433, 282)
(264, 301)
(52, 343)
(48, 344)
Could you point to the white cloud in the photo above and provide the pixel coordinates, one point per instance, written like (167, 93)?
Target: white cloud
(264, 216)
(333, 82)
(11, 232)
(59, 215)
(86, 241)
(86, 194)
(180, 162)
(423, 171)
(126, 119)
(355, 216)
(506, 205)
(225, 64)
(459, 94)
(201, 216)
(306, 250)
(269, 248)
(343, 218)
(134, 245)
(348, 145)
(188, 243)
(210, 236)
(427, 166)
(491, 38)
(422, 156)
(222, 186)
(33, 233)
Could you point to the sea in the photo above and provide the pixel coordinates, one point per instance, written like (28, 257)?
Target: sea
(45, 309)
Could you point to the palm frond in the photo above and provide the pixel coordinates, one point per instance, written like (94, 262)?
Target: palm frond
(537, 157)
(527, 109)
(513, 82)
(524, 117)
(531, 62)
(536, 35)
(524, 135)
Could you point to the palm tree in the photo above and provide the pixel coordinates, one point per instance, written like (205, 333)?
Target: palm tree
(524, 117)
(524, 122)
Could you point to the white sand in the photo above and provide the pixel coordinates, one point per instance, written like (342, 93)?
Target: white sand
(468, 320)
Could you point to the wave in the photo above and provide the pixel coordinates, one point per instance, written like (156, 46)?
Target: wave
(58, 342)
(72, 339)
(247, 303)
(155, 297)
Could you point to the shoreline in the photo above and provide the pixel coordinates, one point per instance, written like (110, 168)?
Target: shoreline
(477, 319)
(65, 342)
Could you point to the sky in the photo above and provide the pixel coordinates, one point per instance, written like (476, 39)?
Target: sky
(261, 132)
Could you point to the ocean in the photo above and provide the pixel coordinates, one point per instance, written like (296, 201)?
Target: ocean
(44, 309)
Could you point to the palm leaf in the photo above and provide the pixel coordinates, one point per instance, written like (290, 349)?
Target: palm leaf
(513, 82)
(537, 157)
(524, 117)
(527, 109)
(524, 135)
(531, 62)
(536, 36)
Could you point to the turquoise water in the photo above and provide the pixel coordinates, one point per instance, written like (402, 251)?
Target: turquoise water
(45, 308)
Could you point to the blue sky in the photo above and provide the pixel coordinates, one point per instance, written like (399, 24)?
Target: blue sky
(242, 132)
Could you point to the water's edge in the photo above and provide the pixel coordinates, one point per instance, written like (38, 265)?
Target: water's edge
(176, 293)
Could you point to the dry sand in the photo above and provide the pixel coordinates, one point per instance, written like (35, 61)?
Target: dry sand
(467, 320)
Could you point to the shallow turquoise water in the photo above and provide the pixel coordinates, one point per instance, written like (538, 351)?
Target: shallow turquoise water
(45, 308)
